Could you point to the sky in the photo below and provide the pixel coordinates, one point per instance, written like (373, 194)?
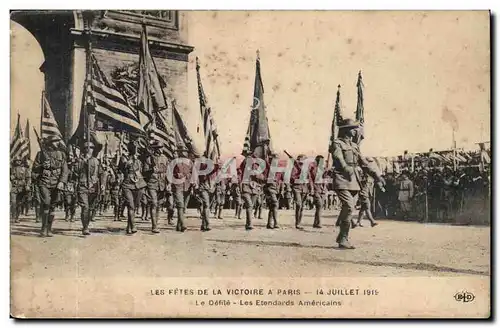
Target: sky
(425, 73)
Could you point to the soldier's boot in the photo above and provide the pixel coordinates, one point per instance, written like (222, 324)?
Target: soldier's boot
(343, 237)
(270, 219)
(50, 220)
(170, 216)
(85, 222)
(298, 218)
(317, 218)
(180, 220)
(72, 215)
(154, 219)
(66, 214)
(44, 217)
(38, 214)
(239, 211)
(220, 213)
(248, 224)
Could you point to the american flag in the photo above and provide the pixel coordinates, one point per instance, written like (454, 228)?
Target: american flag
(212, 149)
(49, 127)
(360, 108)
(19, 145)
(337, 118)
(108, 102)
(164, 135)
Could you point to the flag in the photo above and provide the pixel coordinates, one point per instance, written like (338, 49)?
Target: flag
(164, 135)
(360, 109)
(258, 138)
(49, 127)
(212, 149)
(108, 103)
(183, 139)
(27, 137)
(337, 118)
(150, 97)
(18, 145)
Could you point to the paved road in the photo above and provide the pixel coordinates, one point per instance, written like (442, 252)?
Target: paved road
(391, 249)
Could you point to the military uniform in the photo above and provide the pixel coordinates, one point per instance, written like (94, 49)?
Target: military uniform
(20, 181)
(365, 199)
(155, 170)
(236, 192)
(347, 165)
(220, 197)
(70, 193)
(300, 191)
(271, 189)
(405, 195)
(258, 200)
(114, 185)
(249, 191)
(182, 171)
(89, 174)
(203, 195)
(318, 191)
(133, 185)
(51, 169)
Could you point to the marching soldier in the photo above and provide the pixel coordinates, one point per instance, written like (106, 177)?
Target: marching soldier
(19, 187)
(28, 203)
(365, 197)
(106, 173)
(220, 195)
(249, 190)
(300, 191)
(70, 189)
(347, 164)
(318, 190)
(114, 185)
(133, 184)
(169, 200)
(271, 192)
(89, 174)
(405, 194)
(51, 171)
(204, 186)
(236, 192)
(181, 188)
(155, 170)
(258, 201)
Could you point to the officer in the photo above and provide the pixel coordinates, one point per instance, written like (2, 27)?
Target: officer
(133, 184)
(300, 190)
(155, 170)
(271, 192)
(318, 189)
(51, 170)
(88, 170)
(19, 188)
(347, 164)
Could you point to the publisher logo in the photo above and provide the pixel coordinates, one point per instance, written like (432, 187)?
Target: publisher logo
(464, 296)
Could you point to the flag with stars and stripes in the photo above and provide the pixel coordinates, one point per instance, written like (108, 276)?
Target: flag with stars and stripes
(18, 145)
(212, 149)
(49, 127)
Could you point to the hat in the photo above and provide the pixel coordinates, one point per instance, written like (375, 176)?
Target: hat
(349, 124)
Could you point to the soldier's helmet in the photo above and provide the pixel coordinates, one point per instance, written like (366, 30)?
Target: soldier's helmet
(349, 124)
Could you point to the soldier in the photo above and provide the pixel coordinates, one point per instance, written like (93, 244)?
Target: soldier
(300, 191)
(89, 174)
(249, 190)
(236, 192)
(220, 195)
(28, 203)
(405, 194)
(288, 195)
(258, 201)
(155, 169)
(318, 187)
(106, 173)
(51, 171)
(181, 189)
(365, 197)
(347, 161)
(70, 189)
(114, 186)
(19, 187)
(204, 186)
(133, 184)
(271, 192)
(169, 200)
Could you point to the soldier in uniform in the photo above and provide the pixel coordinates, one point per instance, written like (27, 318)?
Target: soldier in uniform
(405, 194)
(155, 170)
(89, 174)
(236, 192)
(169, 200)
(133, 184)
(258, 201)
(249, 190)
(20, 181)
(204, 186)
(220, 195)
(271, 192)
(300, 191)
(347, 164)
(182, 171)
(318, 190)
(114, 186)
(70, 189)
(28, 203)
(106, 173)
(51, 170)
(365, 197)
